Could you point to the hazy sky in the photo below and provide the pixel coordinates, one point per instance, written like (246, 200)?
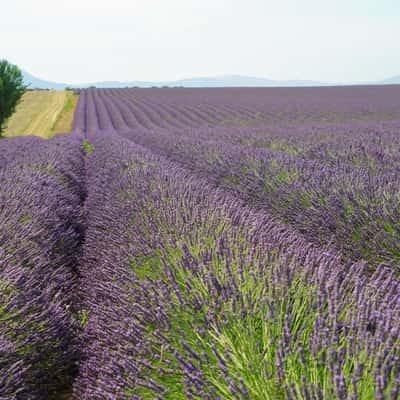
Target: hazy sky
(77, 41)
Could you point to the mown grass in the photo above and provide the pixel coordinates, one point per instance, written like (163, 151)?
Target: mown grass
(42, 113)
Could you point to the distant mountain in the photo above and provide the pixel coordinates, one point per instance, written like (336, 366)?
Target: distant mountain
(219, 81)
(37, 83)
(395, 80)
(119, 84)
(241, 81)
(222, 81)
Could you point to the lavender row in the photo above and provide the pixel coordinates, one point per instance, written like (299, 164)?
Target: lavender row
(190, 294)
(333, 182)
(200, 108)
(355, 143)
(41, 231)
(14, 149)
(235, 106)
(355, 206)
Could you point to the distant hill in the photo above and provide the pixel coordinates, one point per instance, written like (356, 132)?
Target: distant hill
(219, 81)
(395, 80)
(241, 81)
(222, 81)
(37, 83)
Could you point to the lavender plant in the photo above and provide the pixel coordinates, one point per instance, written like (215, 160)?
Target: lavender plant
(40, 198)
(334, 182)
(196, 295)
(204, 244)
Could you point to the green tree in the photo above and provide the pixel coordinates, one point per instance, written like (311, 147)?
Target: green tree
(11, 89)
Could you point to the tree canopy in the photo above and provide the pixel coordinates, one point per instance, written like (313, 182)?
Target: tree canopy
(11, 89)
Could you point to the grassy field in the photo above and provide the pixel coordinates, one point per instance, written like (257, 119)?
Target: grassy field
(42, 113)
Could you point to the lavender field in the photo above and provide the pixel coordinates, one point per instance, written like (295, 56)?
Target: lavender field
(205, 244)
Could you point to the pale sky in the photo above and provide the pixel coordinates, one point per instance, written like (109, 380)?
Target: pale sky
(76, 41)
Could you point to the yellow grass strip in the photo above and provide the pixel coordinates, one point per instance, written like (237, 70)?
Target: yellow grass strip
(64, 121)
(42, 113)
